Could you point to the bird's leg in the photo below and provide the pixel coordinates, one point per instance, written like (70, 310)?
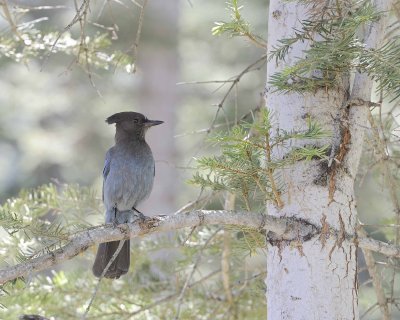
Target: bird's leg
(140, 215)
(115, 222)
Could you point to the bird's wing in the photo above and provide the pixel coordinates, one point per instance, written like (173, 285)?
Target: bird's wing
(106, 169)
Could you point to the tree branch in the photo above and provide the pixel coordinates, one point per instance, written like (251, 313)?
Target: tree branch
(285, 229)
(376, 279)
(230, 200)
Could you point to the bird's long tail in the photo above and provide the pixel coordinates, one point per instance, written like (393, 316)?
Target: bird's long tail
(105, 252)
(119, 266)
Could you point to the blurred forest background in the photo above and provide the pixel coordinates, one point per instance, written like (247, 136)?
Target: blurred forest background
(52, 118)
(52, 128)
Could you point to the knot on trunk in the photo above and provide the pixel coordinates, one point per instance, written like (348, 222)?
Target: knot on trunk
(295, 229)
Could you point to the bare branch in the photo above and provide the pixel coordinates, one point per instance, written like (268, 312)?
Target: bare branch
(138, 33)
(249, 68)
(96, 289)
(286, 229)
(190, 276)
(9, 18)
(80, 12)
(381, 247)
(256, 65)
(175, 295)
(230, 200)
(376, 279)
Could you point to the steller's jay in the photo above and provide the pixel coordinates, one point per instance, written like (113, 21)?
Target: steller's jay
(127, 180)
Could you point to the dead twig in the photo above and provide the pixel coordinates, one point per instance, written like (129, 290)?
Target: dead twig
(195, 265)
(80, 12)
(135, 46)
(376, 279)
(226, 250)
(96, 289)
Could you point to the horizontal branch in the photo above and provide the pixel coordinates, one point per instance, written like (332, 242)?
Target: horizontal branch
(286, 229)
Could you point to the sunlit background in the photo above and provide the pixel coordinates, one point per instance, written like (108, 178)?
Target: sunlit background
(52, 117)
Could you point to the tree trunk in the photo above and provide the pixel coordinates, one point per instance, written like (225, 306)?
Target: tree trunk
(159, 98)
(315, 278)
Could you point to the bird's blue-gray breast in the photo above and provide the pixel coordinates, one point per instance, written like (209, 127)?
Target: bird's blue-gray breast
(128, 175)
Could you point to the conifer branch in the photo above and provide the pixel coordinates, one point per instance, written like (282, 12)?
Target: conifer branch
(286, 229)
(270, 172)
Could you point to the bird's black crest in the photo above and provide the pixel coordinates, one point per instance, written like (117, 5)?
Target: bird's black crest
(124, 116)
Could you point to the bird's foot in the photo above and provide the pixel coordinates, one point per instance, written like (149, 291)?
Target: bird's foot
(139, 215)
(145, 222)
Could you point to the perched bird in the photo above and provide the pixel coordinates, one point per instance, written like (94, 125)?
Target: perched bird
(127, 180)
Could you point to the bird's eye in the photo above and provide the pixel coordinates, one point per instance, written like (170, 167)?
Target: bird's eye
(135, 120)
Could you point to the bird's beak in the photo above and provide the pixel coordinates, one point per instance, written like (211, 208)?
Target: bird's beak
(150, 123)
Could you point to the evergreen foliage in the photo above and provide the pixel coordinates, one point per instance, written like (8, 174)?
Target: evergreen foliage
(383, 65)
(247, 164)
(238, 26)
(39, 218)
(335, 49)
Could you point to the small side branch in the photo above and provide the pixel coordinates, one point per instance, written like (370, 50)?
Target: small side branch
(376, 279)
(9, 18)
(138, 33)
(190, 276)
(80, 13)
(96, 289)
(226, 251)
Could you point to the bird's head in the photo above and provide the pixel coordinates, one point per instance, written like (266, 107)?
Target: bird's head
(132, 123)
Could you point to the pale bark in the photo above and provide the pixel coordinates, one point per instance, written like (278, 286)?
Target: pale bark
(286, 229)
(316, 279)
